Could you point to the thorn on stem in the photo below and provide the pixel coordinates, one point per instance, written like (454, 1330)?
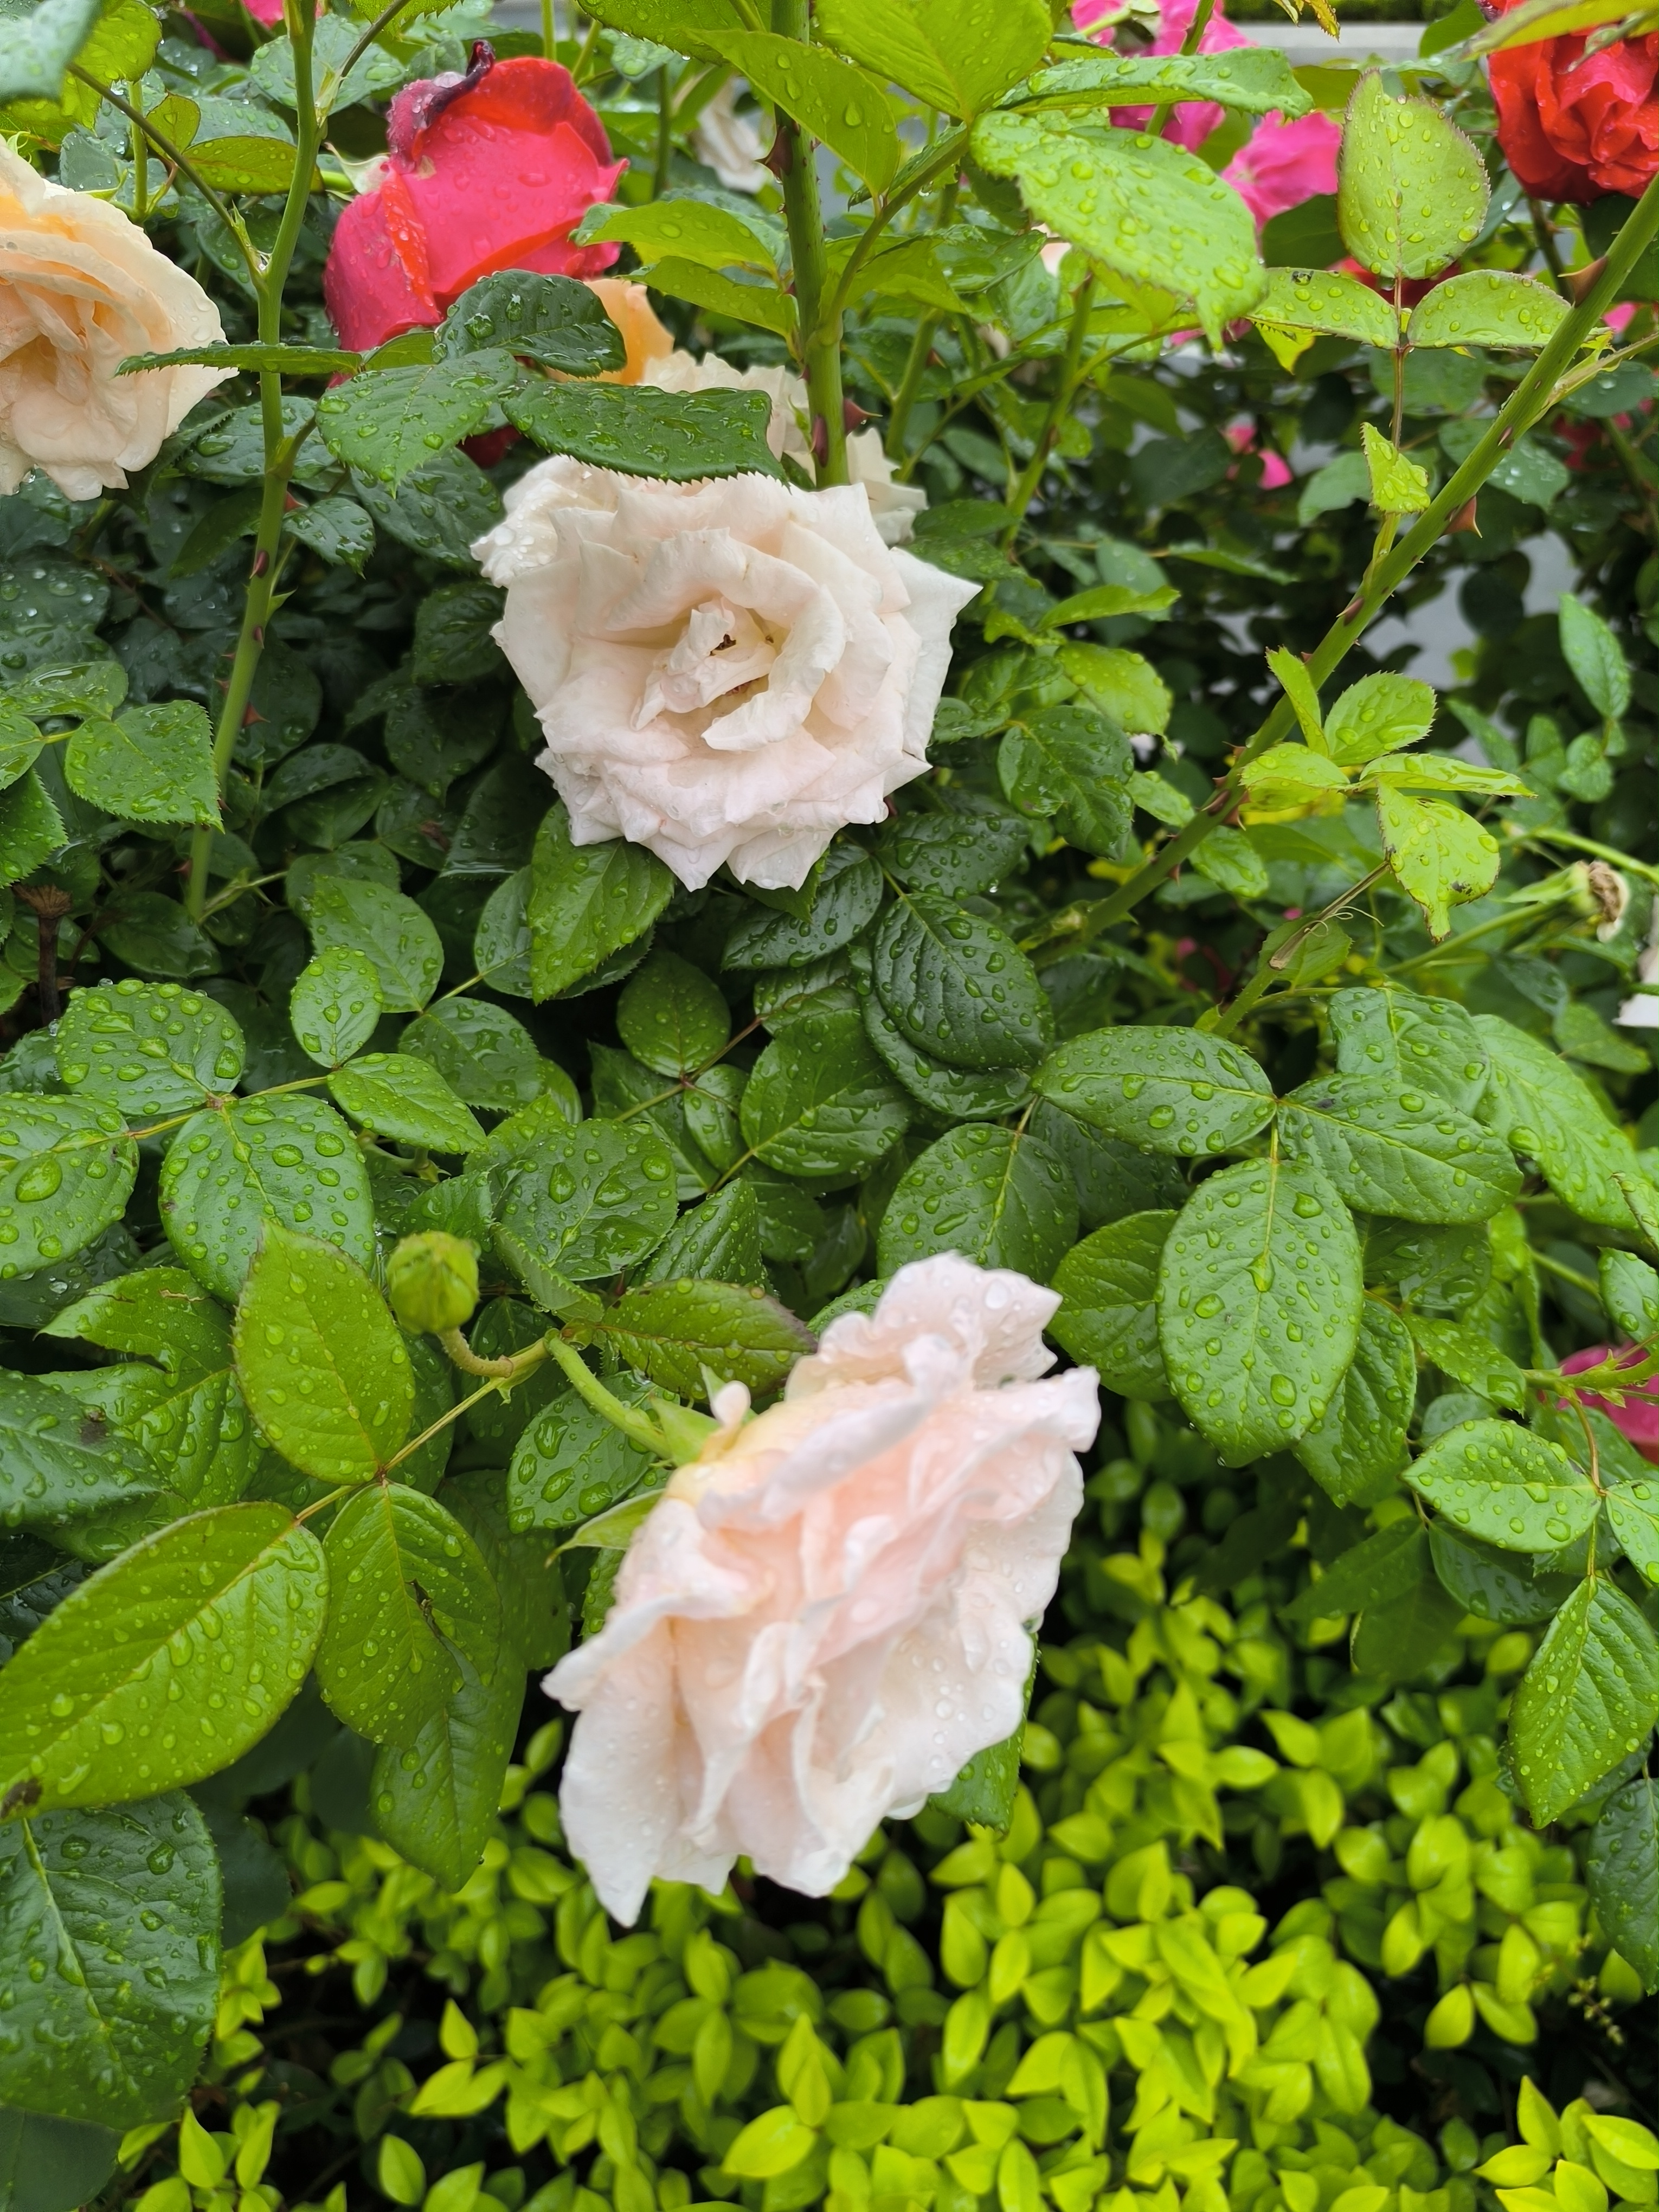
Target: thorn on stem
(1464, 519)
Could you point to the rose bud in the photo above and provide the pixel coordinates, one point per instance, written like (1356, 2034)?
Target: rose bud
(432, 1281)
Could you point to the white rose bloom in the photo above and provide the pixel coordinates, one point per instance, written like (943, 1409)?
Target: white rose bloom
(731, 144)
(81, 287)
(1641, 1010)
(727, 672)
(893, 507)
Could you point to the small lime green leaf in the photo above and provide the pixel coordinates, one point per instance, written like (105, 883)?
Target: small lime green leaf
(168, 1663)
(109, 1980)
(321, 1361)
(245, 161)
(1398, 486)
(1588, 1698)
(831, 99)
(20, 743)
(406, 1099)
(1325, 301)
(335, 1006)
(405, 1582)
(1377, 715)
(1144, 207)
(151, 1049)
(1503, 1484)
(1440, 855)
(1298, 688)
(956, 55)
(773, 2144)
(1443, 772)
(1232, 863)
(31, 827)
(1487, 308)
(1412, 190)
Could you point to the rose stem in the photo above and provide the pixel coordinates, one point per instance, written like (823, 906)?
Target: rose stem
(796, 172)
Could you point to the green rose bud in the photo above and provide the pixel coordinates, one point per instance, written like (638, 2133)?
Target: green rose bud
(432, 1281)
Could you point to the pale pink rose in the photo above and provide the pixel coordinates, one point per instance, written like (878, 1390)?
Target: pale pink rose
(828, 1613)
(81, 289)
(725, 672)
(1285, 163)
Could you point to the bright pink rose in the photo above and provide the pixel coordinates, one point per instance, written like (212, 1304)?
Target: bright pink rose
(1637, 1418)
(268, 12)
(1285, 163)
(1275, 470)
(492, 170)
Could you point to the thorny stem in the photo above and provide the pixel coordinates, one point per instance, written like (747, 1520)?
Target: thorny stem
(1532, 397)
(820, 349)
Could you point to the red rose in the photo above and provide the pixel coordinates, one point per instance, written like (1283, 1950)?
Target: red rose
(492, 170)
(1573, 129)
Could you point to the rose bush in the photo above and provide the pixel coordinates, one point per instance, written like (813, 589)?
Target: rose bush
(414, 1168)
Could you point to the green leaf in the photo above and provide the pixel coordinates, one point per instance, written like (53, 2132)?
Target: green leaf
(760, 303)
(572, 1463)
(1526, 469)
(486, 1056)
(161, 1313)
(775, 2144)
(440, 508)
(679, 437)
(999, 1197)
(405, 1582)
(1398, 486)
(535, 1611)
(1633, 1510)
(1412, 190)
(435, 1802)
(1104, 602)
(1255, 80)
(1326, 301)
(357, 915)
(1391, 1149)
(1495, 1585)
(718, 1241)
(956, 987)
(671, 1017)
(289, 1160)
(1074, 766)
(405, 1098)
(153, 764)
(700, 27)
(554, 320)
(110, 1966)
(1358, 1447)
(1164, 1089)
(1259, 1303)
(1431, 1044)
(60, 1463)
(1440, 772)
(692, 230)
(1122, 685)
(955, 854)
(586, 903)
(595, 1201)
(66, 1172)
(150, 1049)
(672, 1330)
(1440, 855)
(819, 1103)
(335, 1006)
(323, 1364)
(1630, 1291)
(956, 55)
(1396, 1640)
(1596, 658)
(1386, 1566)
(1471, 1360)
(52, 2165)
(336, 529)
(845, 892)
(20, 744)
(245, 162)
(31, 829)
(1621, 1871)
(285, 360)
(386, 422)
(1505, 1484)
(1588, 1698)
(1145, 208)
(87, 686)
(1549, 1115)
(985, 1791)
(830, 98)
(1107, 1319)
(1292, 773)
(39, 49)
(954, 1094)
(166, 1665)
(1487, 308)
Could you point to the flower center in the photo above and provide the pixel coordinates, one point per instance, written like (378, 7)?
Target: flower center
(723, 654)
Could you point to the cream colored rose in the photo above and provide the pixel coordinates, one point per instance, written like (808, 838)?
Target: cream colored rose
(730, 144)
(826, 1615)
(893, 507)
(727, 672)
(81, 289)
